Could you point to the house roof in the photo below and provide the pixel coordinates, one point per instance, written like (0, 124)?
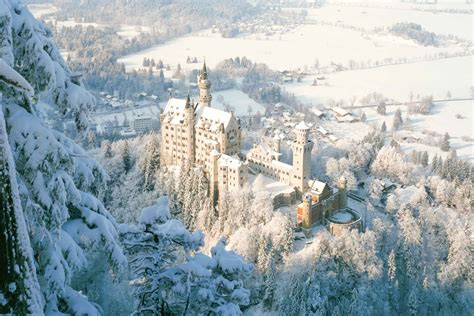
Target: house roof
(340, 111)
(317, 186)
(302, 125)
(228, 161)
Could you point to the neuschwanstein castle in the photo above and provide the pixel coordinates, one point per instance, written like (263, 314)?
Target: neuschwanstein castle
(201, 135)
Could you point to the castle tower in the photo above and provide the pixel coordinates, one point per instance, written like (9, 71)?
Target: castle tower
(342, 186)
(204, 85)
(302, 147)
(306, 212)
(189, 128)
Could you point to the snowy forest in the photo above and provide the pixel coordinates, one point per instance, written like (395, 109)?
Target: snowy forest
(109, 231)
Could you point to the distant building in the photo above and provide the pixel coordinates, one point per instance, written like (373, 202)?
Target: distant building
(343, 116)
(144, 124)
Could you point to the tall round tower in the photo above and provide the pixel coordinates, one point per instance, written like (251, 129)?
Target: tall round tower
(204, 85)
(342, 186)
(302, 147)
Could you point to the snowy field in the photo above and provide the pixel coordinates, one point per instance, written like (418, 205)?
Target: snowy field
(457, 24)
(441, 120)
(327, 44)
(237, 101)
(42, 10)
(394, 82)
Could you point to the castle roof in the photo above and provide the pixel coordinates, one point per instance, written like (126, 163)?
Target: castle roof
(212, 118)
(316, 186)
(174, 111)
(205, 117)
(302, 125)
(269, 151)
(228, 161)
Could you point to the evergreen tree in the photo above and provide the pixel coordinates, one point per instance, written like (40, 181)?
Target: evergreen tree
(383, 129)
(168, 283)
(397, 120)
(434, 163)
(59, 185)
(381, 108)
(424, 159)
(19, 289)
(444, 144)
(126, 157)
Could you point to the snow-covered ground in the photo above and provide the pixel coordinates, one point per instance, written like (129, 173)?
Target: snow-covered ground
(238, 101)
(42, 9)
(441, 120)
(457, 24)
(126, 31)
(395, 82)
(295, 49)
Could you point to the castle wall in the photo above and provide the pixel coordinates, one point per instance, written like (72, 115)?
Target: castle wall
(273, 169)
(175, 144)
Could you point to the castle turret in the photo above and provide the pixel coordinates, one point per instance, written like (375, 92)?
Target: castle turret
(302, 147)
(306, 211)
(204, 84)
(342, 186)
(189, 129)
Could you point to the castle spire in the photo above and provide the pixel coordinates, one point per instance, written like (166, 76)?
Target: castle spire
(204, 85)
(204, 70)
(188, 102)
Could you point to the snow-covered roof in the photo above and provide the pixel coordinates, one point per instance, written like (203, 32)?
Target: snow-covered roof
(174, 111)
(317, 112)
(322, 130)
(269, 151)
(212, 117)
(342, 217)
(302, 125)
(228, 161)
(346, 118)
(206, 117)
(317, 186)
(340, 111)
(282, 165)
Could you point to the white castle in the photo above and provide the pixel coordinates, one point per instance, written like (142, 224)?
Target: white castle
(210, 138)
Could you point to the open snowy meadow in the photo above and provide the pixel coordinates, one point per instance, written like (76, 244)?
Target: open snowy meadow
(310, 42)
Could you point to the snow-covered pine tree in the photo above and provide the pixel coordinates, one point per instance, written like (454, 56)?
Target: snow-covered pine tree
(19, 287)
(58, 184)
(397, 120)
(152, 246)
(170, 281)
(444, 144)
